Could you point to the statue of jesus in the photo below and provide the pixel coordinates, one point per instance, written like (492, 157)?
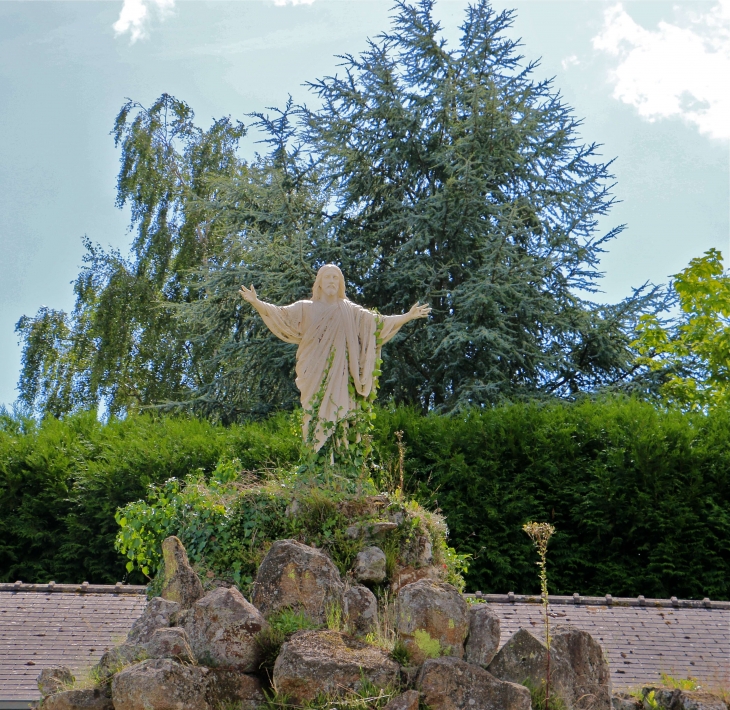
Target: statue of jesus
(338, 349)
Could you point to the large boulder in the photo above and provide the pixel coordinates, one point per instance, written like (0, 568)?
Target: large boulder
(625, 701)
(579, 673)
(180, 583)
(54, 679)
(296, 576)
(408, 700)
(676, 699)
(229, 687)
(483, 641)
(314, 662)
(170, 643)
(432, 620)
(113, 660)
(90, 699)
(453, 684)
(158, 614)
(161, 684)
(360, 610)
(408, 575)
(370, 565)
(222, 628)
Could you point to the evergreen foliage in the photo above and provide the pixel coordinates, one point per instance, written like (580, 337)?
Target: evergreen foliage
(461, 181)
(640, 497)
(446, 175)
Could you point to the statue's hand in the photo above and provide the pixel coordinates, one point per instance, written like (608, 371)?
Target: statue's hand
(248, 294)
(419, 311)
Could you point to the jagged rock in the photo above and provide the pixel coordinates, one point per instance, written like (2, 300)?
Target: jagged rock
(370, 565)
(370, 530)
(579, 673)
(452, 684)
(624, 701)
(161, 684)
(360, 610)
(92, 699)
(668, 699)
(483, 641)
(227, 687)
(54, 679)
(404, 701)
(117, 658)
(314, 662)
(222, 628)
(409, 575)
(296, 576)
(170, 643)
(181, 584)
(158, 614)
(432, 620)
(425, 551)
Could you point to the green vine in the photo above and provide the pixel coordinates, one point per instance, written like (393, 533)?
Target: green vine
(348, 448)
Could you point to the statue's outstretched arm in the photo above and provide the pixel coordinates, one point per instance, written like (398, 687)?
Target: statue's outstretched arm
(283, 321)
(392, 324)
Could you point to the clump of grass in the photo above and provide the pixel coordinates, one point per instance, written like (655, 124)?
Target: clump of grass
(540, 698)
(282, 625)
(400, 653)
(384, 633)
(679, 683)
(366, 697)
(333, 617)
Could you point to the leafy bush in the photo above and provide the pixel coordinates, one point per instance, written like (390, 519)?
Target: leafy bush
(640, 496)
(61, 482)
(228, 522)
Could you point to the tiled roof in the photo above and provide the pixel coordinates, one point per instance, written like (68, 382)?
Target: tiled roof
(642, 638)
(65, 626)
(73, 625)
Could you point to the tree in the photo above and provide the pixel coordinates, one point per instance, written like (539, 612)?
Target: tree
(461, 182)
(442, 175)
(123, 346)
(691, 352)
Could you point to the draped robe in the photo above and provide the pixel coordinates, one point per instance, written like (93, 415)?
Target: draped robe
(342, 330)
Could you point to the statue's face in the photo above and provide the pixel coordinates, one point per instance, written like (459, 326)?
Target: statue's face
(330, 282)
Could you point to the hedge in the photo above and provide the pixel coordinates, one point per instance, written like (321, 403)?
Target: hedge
(640, 497)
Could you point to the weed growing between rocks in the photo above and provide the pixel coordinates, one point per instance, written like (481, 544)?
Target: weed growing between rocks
(282, 625)
(367, 697)
(540, 698)
(540, 534)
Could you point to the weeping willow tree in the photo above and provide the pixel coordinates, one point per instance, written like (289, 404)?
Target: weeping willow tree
(446, 175)
(122, 346)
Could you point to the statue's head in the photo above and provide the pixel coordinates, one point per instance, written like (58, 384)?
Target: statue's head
(329, 283)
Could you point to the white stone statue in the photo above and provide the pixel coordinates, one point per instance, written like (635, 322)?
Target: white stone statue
(337, 347)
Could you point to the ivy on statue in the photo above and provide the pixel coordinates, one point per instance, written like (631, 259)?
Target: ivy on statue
(338, 363)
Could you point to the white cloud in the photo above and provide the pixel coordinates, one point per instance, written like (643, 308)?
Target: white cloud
(134, 16)
(673, 70)
(571, 61)
(293, 2)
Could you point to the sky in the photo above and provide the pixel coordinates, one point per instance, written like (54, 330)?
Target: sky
(650, 79)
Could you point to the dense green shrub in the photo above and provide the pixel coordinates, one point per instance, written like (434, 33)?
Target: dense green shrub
(640, 497)
(229, 520)
(62, 481)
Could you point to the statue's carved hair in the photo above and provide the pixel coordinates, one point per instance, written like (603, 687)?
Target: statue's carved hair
(317, 288)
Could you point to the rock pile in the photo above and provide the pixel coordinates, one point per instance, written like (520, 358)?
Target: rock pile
(192, 650)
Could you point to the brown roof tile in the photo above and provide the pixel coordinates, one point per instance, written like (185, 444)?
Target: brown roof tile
(643, 639)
